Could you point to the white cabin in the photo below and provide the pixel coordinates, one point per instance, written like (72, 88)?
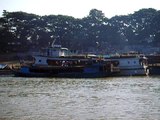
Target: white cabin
(51, 52)
(56, 51)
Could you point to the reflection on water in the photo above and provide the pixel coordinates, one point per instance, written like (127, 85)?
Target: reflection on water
(129, 98)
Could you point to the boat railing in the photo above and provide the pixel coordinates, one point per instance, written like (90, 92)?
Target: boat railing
(115, 69)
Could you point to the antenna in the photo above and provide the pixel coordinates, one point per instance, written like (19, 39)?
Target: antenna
(52, 44)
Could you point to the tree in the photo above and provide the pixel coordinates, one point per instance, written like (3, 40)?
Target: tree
(27, 31)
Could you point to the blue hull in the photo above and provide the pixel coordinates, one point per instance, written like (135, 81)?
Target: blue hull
(62, 75)
(65, 72)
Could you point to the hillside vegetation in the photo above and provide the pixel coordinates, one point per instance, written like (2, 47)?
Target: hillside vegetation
(21, 32)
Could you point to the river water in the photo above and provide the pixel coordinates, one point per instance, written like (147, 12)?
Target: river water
(114, 98)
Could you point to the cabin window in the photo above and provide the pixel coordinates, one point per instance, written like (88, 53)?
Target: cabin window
(128, 62)
(134, 62)
(40, 61)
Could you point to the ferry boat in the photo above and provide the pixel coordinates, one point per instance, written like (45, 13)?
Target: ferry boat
(60, 62)
(129, 65)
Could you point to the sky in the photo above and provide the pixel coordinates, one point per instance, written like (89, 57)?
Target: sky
(77, 8)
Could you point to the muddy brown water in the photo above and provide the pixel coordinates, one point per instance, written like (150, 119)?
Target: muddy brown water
(120, 98)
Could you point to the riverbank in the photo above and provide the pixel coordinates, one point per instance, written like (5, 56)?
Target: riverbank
(13, 59)
(7, 70)
(10, 60)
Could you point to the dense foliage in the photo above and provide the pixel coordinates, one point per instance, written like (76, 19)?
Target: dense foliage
(21, 32)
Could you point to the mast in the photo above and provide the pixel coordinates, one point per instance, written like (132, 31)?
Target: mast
(52, 44)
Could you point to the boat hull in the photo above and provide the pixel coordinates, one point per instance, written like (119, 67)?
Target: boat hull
(62, 75)
(32, 74)
(68, 72)
(132, 72)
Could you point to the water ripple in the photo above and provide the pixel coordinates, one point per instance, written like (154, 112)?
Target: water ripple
(130, 98)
